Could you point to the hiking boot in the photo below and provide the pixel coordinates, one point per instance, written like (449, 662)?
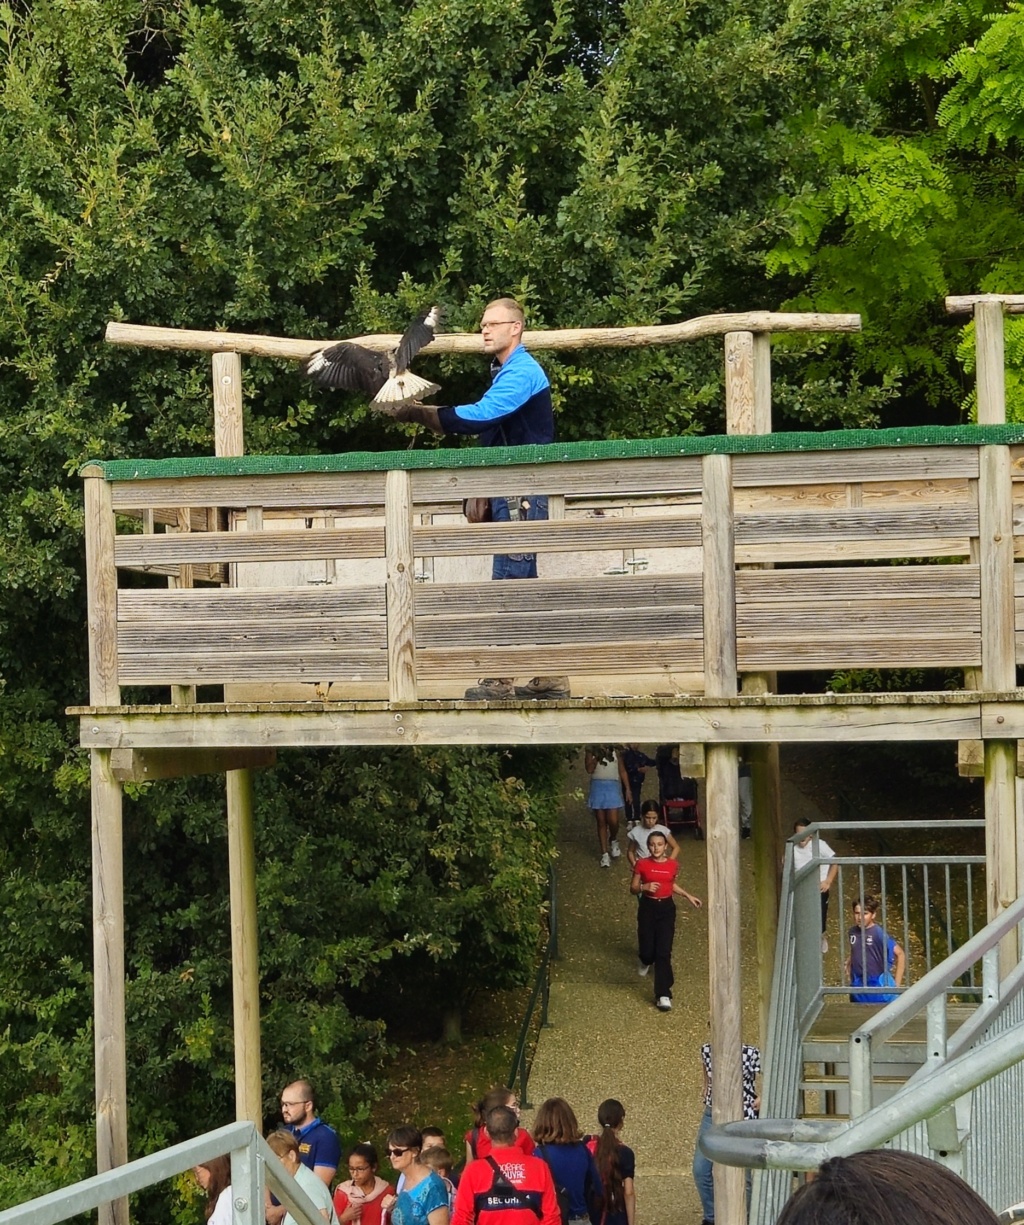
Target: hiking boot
(544, 688)
(491, 689)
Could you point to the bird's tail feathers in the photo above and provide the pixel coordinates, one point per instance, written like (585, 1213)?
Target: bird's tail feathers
(404, 387)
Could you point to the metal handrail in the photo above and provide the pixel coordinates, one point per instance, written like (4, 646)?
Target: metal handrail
(252, 1162)
(520, 1068)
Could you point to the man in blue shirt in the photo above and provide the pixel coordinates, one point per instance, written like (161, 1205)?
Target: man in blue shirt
(514, 411)
(319, 1147)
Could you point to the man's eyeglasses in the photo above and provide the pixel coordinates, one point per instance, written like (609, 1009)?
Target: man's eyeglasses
(284, 1103)
(396, 1152)
(495, 323)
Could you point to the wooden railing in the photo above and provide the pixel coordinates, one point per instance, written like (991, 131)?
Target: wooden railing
(398, 604)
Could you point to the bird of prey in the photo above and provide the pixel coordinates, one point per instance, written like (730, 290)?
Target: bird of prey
(384, 376)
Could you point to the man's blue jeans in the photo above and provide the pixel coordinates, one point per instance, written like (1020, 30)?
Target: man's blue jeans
(516, 565)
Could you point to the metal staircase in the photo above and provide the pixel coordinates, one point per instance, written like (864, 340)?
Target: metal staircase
(937, 1071)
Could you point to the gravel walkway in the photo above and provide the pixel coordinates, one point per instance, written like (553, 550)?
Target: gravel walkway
(606, 1037)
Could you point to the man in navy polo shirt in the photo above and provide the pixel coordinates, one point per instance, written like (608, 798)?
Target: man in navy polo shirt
(319, 1147)
(514, 411)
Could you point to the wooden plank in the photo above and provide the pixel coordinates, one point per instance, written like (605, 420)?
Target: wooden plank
(995, 540)
(895, 495)
(284, 489)
(817, 552)
(622, 478)
(990, 362)
(228, 429)
(142, 551)
(621, 658)
(837, 718)
(887, 582)
(914, 524)
(717, 528)
(246, 603)
(109, 1029)
(101, 593)
(567, 536)
(936, 651)
(599, 627)
(401, 579)
(190, 340)
(842, 467)
(609, 591)
(250, 636)
(844, 617)
(962, 304)
(147, 765)
(310, 666)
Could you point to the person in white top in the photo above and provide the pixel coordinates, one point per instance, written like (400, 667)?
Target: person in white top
(803, 853)
(608, 796)
(214, 1176)
(286, 1147)
(636, 839)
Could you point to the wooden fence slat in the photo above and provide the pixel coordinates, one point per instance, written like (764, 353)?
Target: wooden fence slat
(902, 582)
(814, 467)
(622, 659)
(138, 552)
(952, 651)
(875, 524)
(178, 668)
(223, 637)
(291, 490)
(606, 626)
(239, 604)
(565, 536)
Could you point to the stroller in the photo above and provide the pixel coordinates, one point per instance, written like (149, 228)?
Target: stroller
(676, 795)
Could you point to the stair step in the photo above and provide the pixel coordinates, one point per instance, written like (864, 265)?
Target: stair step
(821, 1081)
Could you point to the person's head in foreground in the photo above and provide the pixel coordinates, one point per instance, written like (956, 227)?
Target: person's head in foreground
(886, 1187)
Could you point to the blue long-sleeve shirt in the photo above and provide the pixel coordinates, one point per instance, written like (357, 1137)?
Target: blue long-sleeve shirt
(572, 1167)
(514, 411)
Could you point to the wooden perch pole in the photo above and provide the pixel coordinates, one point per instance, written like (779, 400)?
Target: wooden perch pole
(185, 340)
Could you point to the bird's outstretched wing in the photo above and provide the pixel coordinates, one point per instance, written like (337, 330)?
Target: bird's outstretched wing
(347, 367)
(419, 333)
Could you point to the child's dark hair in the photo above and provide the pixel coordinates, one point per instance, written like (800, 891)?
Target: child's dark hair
(650, 806)
(610, 1114)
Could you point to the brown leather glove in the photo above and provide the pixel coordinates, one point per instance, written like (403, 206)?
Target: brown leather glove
(421, 414)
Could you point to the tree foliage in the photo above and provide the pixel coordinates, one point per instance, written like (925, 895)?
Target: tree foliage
(325, 169)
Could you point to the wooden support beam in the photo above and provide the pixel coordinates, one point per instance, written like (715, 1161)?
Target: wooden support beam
(726, 993)
(108, 979)
(719, 548)
(970, 758)
(245, 971)
(748, 383)
(147, 765)
(187, 340)
(964, 304)
(990, 365)
(401, 583)
(228, 427)
(101, 593)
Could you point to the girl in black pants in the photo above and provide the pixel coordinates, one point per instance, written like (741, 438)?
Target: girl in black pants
(654, 879)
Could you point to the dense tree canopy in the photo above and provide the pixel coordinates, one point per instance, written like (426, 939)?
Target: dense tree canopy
(321, 169)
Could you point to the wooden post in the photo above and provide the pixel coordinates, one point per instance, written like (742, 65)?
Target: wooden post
(244, 947)
(101, 593)
(108, 978)
(229, 439)
(723, 835)
(998, 672)
(400, 587)
(989, 362)
(748, 410)
(228, 427)
(748, 383)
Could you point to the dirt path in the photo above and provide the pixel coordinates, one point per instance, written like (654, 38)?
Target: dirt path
(606, 1038)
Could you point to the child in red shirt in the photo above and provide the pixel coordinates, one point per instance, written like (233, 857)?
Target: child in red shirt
(654, 879)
